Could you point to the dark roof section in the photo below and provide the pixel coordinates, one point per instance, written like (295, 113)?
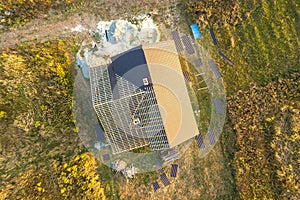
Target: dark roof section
(125, 52)
(130, 65)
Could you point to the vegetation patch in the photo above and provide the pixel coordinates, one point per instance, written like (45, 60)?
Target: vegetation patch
(265, 121)
(36, 106)
(264, 45)
(15, 13)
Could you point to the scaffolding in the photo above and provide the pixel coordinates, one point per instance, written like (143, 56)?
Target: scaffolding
(118, 116)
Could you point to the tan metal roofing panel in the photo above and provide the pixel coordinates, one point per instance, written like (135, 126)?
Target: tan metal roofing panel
(171, 92)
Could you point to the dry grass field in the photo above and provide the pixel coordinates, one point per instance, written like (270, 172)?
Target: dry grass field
(42, 157)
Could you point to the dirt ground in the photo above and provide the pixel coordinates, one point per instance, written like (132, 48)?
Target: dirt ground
(57, 26)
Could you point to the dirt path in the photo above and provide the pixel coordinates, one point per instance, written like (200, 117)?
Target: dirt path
(43, 30)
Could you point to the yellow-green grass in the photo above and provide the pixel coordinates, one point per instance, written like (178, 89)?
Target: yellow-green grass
(266, 44)
(264, 47)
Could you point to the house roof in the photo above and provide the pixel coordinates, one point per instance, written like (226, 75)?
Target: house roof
(131, 66)
(171, 92)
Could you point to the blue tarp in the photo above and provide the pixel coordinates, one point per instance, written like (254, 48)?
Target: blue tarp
(195, 30)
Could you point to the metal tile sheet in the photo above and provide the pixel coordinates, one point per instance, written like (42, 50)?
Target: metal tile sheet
(106, 157)
(188, 44)
(187, 76)
(198, 63)
(219, 105)
(200, 141)
(130, 65)
(99, 132)
(155, 185)
(225, 58)
(164, 179)
(211, 137)
(177, 41)
(174, 169)
(213, 37)
(214, 68)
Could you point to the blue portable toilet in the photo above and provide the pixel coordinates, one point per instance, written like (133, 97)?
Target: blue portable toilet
(196, 31)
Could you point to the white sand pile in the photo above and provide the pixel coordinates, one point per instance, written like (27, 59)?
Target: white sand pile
(115, 37)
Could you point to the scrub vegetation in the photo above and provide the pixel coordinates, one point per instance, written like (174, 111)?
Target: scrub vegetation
(266, 122)
(261, 137)
(41, 156)
(263, 41)
(37, 124)
(16, 13)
